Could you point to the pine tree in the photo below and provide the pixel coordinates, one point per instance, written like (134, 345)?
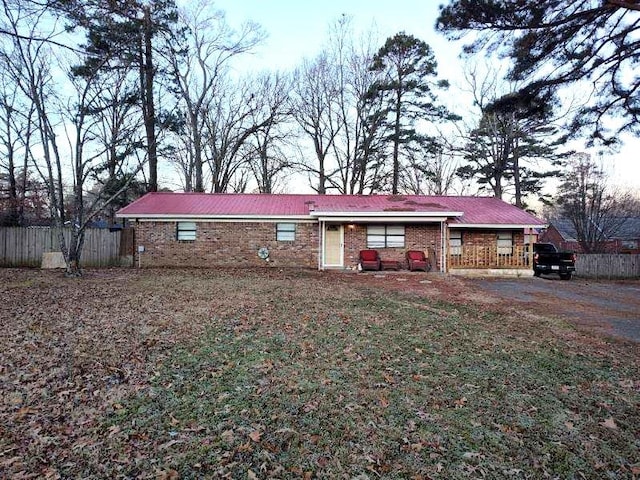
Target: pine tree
(122, 35)
(556, 44)
(406, 88)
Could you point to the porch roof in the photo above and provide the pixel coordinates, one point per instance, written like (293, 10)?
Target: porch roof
(459, 210)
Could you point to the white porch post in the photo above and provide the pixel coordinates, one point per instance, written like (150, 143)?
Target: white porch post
(321, 246)
(443, 248)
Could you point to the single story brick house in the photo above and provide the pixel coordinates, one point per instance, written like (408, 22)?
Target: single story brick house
(626, 238)
(328, 231)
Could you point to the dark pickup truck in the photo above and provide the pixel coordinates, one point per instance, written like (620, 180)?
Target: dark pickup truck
(547, 259)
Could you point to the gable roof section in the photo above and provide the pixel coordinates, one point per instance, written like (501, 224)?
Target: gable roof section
(565, 228)
(629, 229)
(163, 204)
(480, 211)
(462, 211)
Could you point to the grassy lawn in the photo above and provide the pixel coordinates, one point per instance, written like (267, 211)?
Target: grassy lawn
(270, 374)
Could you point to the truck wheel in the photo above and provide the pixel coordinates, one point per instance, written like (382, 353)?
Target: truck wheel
(565, 276)
(536, 273)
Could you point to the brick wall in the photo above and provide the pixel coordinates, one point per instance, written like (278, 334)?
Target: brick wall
(416, 237)
(237, 244)
(226, 244)
(552, 235)
(489, 237)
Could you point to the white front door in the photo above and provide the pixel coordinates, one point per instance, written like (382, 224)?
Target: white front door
(333, 241)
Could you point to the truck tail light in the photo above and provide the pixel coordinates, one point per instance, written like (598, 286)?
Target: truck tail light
(536, 256)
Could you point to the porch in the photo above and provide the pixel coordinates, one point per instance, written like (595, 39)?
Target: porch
(489, 257)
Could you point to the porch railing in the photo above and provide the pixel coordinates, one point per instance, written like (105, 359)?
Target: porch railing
(484, 256)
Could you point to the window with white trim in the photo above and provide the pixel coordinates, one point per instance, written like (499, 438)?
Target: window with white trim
(186, 231)
(505, 243)
(385, 236)
(285, 232)
(455, 242)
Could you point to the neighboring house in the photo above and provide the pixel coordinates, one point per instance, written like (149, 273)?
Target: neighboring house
(328, 231)
(562, 234)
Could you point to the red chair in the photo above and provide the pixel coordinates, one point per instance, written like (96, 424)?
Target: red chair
(418, 261)
(369, 260)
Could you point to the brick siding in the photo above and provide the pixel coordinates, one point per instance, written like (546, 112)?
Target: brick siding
(226, 244)
(489, 237)
(237, 244)
(416, 237)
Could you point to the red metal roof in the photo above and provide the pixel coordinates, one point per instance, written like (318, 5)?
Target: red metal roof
(212, 204)
(475, 210)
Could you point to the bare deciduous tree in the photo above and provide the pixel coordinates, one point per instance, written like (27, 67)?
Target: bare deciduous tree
(265, 150)
(199, 65)
(355, 148)
(429, 174)
(59, 112)
(594, 209)
(316, 113)
(16, 126)
(237, 113)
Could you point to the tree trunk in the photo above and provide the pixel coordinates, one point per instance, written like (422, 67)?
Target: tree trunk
(13, 185)
(75, 249)
(396, 146)
(516, 176)
(322, 178)
(148, 108)
(197, 152)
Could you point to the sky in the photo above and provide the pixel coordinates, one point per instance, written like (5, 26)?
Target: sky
(297, 29)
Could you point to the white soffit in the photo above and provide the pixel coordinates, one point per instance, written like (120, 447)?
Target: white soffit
(403, 219)
(492, 226)
(395, 215)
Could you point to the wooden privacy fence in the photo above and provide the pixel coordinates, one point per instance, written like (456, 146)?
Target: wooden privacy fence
(489, 256)
(608, 265)
(24, 246)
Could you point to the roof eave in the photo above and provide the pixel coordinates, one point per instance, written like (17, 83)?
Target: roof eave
(382, 219)
(497, 225)
(385, 214)
(185, 216)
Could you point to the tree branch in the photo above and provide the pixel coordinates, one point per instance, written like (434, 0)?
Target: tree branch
(633, 5)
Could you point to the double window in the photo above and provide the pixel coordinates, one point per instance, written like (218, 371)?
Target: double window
(285, 232)
(186, 231)
(385, 236)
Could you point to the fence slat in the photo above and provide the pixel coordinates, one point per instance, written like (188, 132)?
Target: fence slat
(24, 246)
(608, 265)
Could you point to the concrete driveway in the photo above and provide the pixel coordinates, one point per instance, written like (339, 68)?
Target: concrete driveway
(613, 307)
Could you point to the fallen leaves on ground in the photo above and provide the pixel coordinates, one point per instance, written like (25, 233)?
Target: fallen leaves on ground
(285, 374)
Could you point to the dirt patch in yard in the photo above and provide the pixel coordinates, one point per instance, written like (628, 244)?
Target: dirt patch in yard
(606, 307)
